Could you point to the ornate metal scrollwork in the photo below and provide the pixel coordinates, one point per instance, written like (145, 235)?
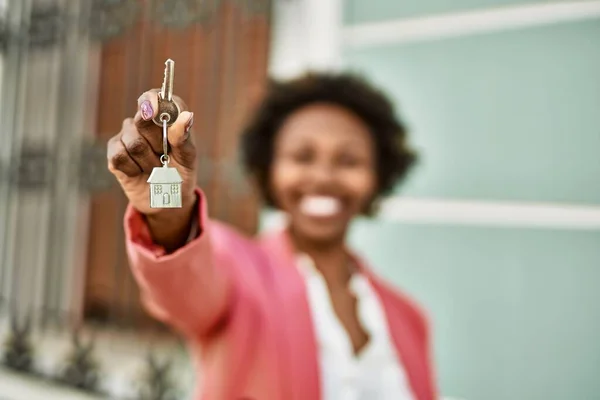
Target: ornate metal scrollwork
(112, 18)
(35, 169)
(93, 172)
(254, 7)
(180, 14)
(47, 27)
(18, 348)
(157, 384)
(82, 370)
(4, 35)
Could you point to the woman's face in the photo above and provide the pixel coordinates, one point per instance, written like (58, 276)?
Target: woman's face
(323, 171)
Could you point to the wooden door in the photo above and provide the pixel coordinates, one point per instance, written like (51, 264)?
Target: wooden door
(220, 51)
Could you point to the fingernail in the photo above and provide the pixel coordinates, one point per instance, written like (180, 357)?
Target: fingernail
(147, 111)
(189, 123)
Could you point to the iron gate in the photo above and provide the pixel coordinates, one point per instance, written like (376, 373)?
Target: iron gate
(53, 164)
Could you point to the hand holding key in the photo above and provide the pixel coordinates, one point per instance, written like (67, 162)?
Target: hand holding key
(137, 149)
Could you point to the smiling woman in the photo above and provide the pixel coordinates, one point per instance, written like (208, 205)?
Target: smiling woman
(359, 114)
(294, 314)
(323, 171)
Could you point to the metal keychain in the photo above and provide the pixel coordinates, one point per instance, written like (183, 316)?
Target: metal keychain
(165, 182)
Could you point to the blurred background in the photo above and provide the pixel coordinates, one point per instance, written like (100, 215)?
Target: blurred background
(496, 233)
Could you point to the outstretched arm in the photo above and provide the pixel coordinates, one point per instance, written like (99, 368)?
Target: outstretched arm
(190, 288)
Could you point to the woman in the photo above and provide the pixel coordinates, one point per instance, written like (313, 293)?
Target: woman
(293, 314)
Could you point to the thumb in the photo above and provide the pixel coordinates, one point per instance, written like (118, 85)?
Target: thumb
(181, 140)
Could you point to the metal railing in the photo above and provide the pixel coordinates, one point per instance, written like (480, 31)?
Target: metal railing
(51, 165)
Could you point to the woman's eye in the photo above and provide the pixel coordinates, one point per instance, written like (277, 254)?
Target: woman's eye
(349, 160)
(302, 157)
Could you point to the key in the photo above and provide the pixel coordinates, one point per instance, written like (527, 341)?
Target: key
(167, 108)
(165, 182)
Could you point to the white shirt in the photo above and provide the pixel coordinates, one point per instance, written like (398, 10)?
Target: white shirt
(375, 373)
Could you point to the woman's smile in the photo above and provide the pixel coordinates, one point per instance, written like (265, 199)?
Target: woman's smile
(320, 206)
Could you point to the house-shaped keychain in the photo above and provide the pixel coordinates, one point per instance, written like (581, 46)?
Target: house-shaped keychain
(165, 188)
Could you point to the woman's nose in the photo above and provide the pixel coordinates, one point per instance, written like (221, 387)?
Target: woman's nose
(322, 172)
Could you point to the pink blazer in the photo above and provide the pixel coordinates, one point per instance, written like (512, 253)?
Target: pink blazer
(243, 308)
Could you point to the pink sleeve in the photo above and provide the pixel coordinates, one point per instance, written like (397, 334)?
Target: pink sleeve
(187, 289)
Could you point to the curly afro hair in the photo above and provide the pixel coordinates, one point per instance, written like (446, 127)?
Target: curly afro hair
(394, 158)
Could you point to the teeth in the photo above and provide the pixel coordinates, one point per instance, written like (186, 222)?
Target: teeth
(320, 206)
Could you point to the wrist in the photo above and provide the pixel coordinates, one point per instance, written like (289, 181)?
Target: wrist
(170, 228)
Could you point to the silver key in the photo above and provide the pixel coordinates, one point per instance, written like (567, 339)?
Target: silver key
(167, 108)
(165, 182)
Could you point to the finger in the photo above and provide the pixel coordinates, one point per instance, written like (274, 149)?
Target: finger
(138, 147)
(119, 159)
(149, 131)
(152, 96)
(181, 140)
(148, 104)
(182, 105)
(147, 110)
(180, 132)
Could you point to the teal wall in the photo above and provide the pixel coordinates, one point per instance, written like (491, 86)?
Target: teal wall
(514, 312)
(509, 115)
(359, 11)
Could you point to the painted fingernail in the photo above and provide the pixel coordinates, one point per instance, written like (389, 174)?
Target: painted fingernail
(189, 124)
(146, 109)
